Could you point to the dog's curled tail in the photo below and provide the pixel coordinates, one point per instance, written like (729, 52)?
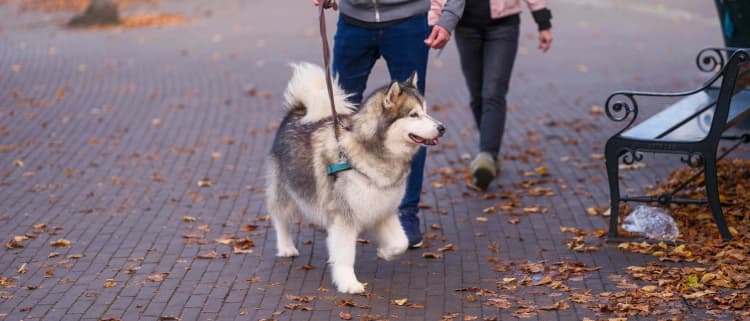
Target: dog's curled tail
(307, 94)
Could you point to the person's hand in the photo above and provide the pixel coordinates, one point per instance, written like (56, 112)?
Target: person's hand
(438, 38)
(545, 40)
(327, 4)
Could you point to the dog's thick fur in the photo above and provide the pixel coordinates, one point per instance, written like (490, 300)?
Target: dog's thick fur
(380, 140)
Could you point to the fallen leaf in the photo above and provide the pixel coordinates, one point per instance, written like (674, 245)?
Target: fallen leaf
(448, 247)
(501, 303)
(7, 282)
(205, 182)
(158, 277)
(243, 246)
(210, 256)
(13, 244)
(60, 243)
(109, 283)
(559, 305)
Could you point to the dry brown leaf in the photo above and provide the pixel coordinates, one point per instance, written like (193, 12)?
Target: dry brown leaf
(158, 277)
(211, 255)
(243, 246)
(448, 247)
(109, 283)
(60, 243)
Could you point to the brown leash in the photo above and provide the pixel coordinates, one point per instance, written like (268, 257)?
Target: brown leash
(327, 61)
(342, 163)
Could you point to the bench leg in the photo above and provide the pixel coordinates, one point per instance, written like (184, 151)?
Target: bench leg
(612, 162)
(712, 195)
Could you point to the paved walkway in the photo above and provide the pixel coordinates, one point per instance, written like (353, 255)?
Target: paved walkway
(144, 150)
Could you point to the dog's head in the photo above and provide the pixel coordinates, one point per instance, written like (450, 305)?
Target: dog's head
(405, 115)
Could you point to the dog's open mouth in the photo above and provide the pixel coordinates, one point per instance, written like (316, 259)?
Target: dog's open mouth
(423, 141)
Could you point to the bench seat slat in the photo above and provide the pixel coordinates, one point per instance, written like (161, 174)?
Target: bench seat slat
(696, 128)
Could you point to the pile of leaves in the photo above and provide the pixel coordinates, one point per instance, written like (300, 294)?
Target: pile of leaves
(144, 20)
(137, 20)
(701, 268)
(70, 5)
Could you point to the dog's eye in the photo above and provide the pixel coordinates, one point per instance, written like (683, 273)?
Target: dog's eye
(414, 115)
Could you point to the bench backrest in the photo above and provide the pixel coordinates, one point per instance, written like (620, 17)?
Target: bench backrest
(735, 76)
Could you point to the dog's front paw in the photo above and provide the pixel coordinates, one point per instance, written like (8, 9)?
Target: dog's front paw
(390, 253)
(350, 286)
(290, 251)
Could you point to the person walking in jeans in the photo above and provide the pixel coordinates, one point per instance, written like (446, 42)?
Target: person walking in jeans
(487, 41)
(397, 31)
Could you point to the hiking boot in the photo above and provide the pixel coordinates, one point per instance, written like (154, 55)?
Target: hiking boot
(484, 170)
(410, 223)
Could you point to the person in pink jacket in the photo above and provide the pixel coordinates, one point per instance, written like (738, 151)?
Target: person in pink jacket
(487, 40)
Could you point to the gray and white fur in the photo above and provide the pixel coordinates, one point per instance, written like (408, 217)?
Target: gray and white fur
(379, 141)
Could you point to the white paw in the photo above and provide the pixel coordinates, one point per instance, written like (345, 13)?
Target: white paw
(351, 286)
(392, 252)
(289, 251)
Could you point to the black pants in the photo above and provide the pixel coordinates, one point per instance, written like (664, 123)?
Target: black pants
(487, 57)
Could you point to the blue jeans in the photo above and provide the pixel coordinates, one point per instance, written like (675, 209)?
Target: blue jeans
(355, 51)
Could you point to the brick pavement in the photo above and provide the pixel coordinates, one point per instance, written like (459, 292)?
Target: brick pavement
(107, 134)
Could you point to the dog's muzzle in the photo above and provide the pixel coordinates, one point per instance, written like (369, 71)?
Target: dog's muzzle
(429, 141)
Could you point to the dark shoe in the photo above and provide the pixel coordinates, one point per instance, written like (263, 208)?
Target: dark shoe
(410, 223)
(484, 170)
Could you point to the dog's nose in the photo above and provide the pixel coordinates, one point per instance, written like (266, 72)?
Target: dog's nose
(441, 129)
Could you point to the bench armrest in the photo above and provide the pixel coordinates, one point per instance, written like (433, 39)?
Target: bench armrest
(710, 59)
(622, 105)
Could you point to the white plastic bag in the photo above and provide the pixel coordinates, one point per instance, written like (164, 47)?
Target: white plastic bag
(652, 223)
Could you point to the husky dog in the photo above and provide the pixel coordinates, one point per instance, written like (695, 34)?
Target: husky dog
(379, 140)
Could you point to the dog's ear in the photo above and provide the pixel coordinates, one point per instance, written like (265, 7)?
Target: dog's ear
(412, 80)
(392, 95)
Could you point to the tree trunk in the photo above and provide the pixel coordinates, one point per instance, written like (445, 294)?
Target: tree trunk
(99, 12)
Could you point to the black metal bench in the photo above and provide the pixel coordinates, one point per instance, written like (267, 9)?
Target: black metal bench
(693, 127)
